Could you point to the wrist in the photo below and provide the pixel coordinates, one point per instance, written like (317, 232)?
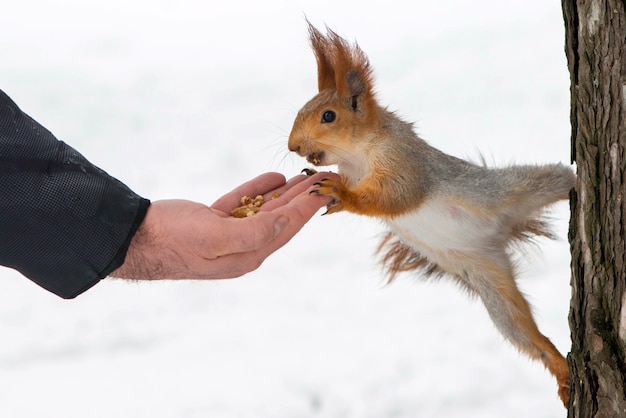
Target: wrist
(137, 265)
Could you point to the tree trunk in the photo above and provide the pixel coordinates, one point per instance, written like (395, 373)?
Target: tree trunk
(595, 32)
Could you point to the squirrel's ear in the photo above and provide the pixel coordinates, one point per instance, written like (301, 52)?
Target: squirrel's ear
(341, 66)
(353, 74)
(356, 87)
(323, 55)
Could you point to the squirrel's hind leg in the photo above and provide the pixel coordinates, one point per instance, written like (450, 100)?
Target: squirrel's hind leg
(511, 313)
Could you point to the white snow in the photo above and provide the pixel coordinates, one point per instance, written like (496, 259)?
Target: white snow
(187, 99)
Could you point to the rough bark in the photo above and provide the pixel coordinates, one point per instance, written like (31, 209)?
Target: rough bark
(595, 48)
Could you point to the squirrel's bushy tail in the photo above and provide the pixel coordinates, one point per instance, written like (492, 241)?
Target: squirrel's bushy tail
(534, 187)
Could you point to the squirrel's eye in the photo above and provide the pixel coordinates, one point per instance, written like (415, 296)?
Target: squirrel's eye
(328, 116)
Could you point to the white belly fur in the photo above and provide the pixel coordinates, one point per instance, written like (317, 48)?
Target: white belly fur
(441, 229)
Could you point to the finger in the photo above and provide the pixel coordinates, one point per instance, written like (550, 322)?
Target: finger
(302, 186)
(280, 191)
(259, 185)
(298, 212)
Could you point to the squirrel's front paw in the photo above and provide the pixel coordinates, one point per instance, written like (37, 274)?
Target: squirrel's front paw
(335, 189)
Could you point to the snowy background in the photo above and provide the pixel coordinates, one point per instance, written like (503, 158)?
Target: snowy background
(187, 99)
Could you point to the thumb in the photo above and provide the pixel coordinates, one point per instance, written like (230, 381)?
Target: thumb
(253, 233)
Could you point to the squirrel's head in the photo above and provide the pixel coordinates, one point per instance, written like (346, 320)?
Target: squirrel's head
(331, 128)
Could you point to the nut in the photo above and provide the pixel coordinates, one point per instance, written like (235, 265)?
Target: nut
(249, 207)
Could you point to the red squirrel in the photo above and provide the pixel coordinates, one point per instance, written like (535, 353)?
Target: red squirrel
(446, 216)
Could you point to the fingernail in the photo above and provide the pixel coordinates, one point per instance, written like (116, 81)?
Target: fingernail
(280, 225)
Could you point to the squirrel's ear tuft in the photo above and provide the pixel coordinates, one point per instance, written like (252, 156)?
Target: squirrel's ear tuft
(341, 66)
(324, 56)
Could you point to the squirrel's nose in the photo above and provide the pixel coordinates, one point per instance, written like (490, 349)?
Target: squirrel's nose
(294, 148)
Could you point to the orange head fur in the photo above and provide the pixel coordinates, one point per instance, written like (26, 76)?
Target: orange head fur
(330, 128)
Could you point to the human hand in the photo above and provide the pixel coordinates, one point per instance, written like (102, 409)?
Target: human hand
(180, 239)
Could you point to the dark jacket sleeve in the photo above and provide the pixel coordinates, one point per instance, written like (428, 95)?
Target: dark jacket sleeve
(64, 223)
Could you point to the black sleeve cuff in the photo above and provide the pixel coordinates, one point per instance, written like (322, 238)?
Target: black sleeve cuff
(64, 223)
(121, 254)
(119, 258)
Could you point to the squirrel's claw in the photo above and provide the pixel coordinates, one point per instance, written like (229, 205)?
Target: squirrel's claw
(325, 187)
(308, 171)
(332, 207)
(329, 187)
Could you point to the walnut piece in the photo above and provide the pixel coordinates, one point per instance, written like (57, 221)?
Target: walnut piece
(249, 206)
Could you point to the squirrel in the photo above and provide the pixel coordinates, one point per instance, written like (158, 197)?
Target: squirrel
(446, 216)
